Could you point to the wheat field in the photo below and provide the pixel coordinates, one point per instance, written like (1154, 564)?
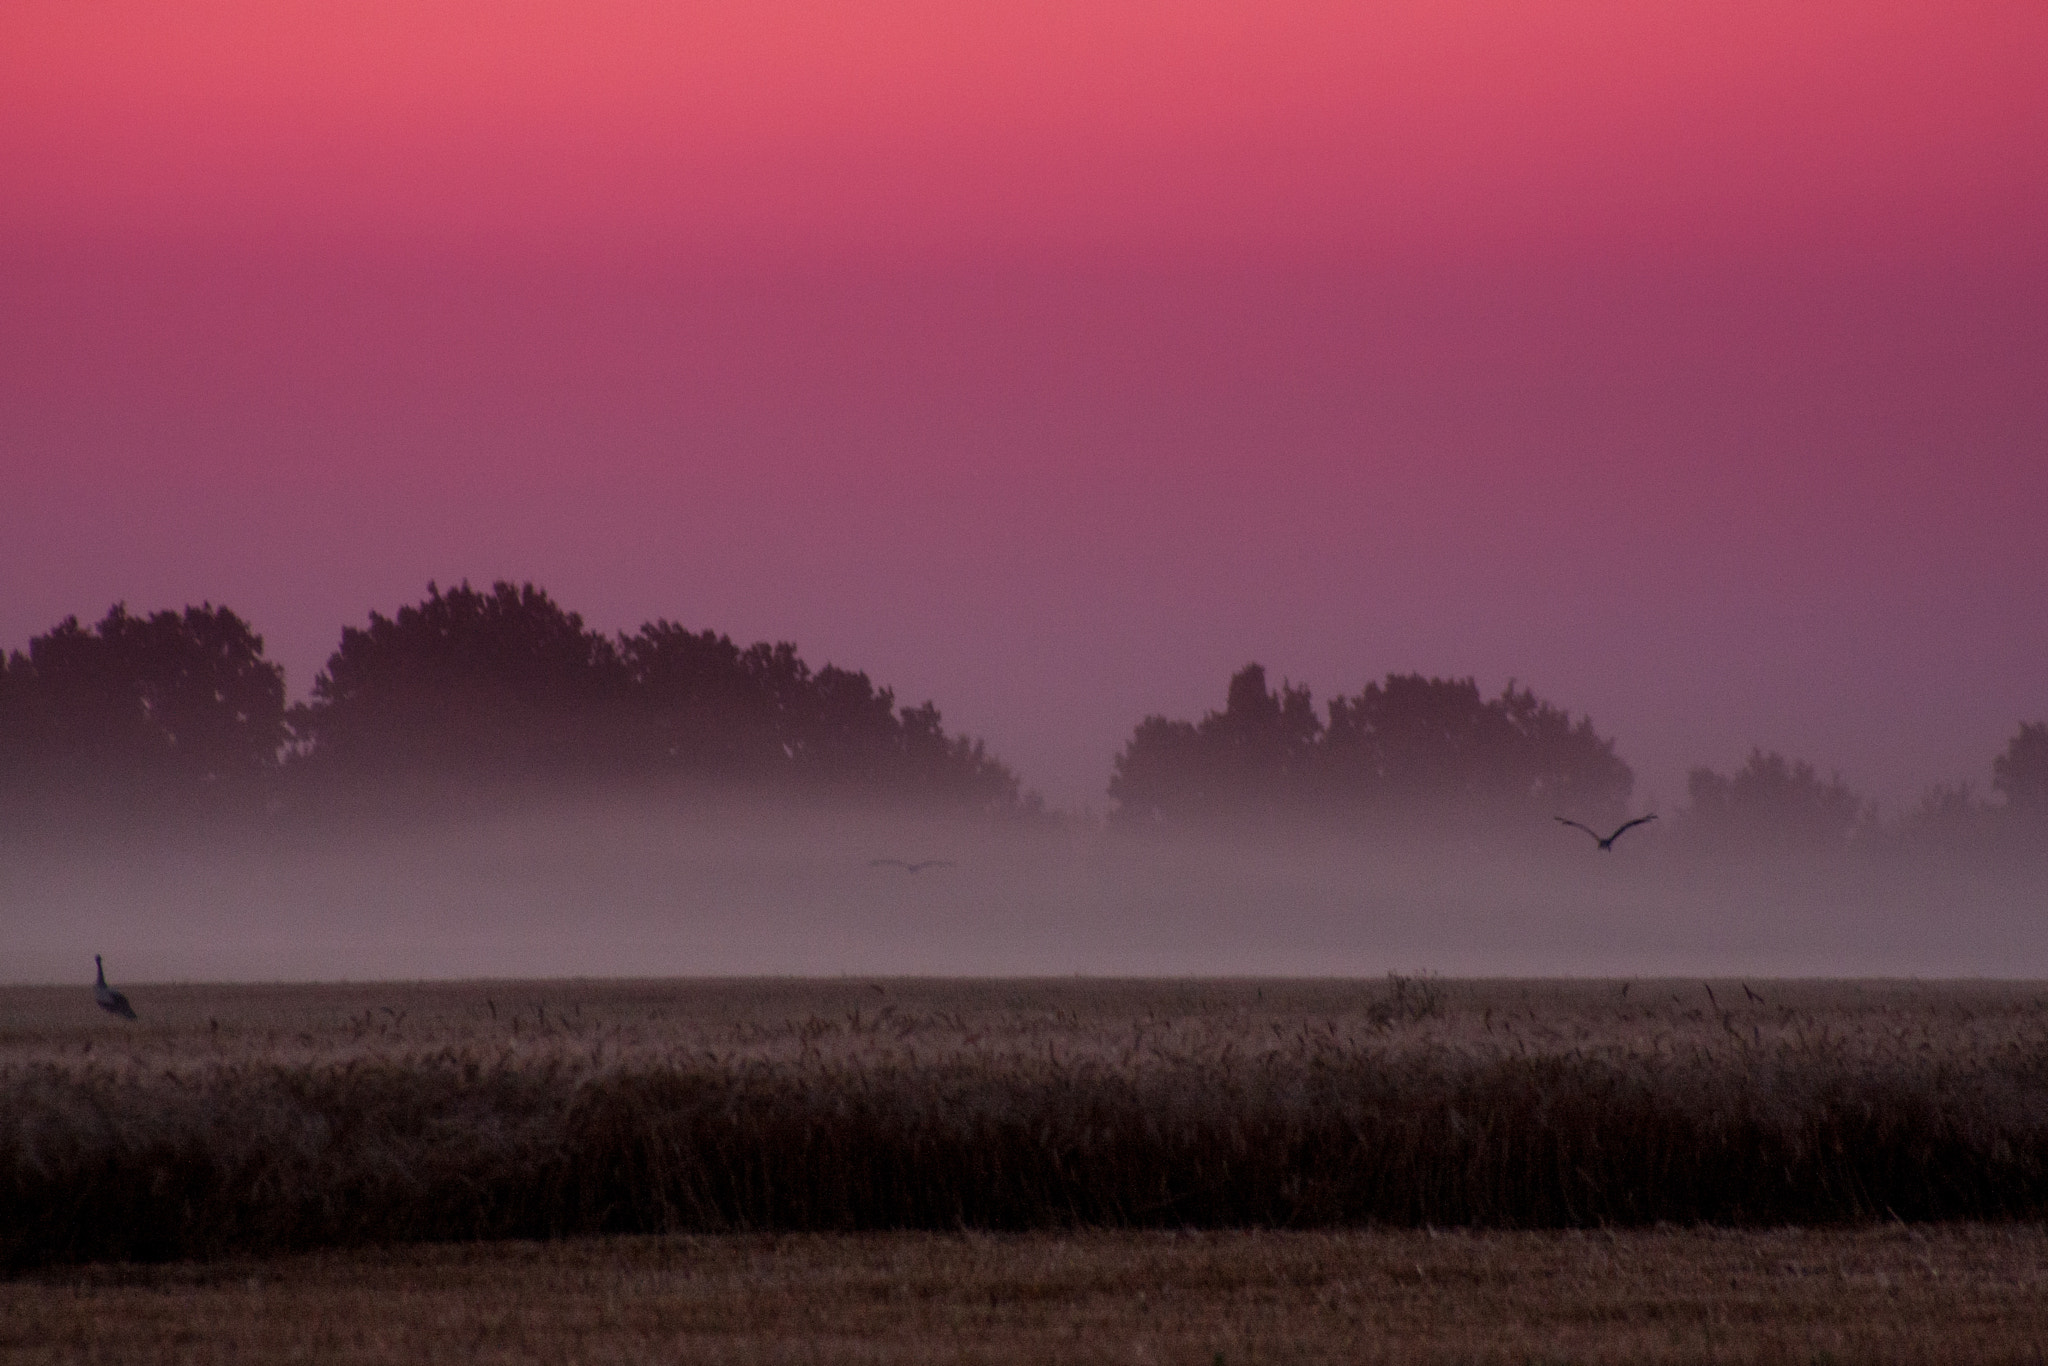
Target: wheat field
(1405, 1169)
(275, 1120)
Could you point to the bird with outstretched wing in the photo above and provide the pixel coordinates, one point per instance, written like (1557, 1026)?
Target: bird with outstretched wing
(1607, 842)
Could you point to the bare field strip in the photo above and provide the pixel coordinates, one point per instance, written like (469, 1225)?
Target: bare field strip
(1949, 1292)
(231, 1121)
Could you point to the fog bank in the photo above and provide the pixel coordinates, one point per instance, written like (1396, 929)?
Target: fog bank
(623, 888)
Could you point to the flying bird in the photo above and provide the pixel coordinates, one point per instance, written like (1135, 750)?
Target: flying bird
(110, 1000)
(917, 867)
(1620, 830)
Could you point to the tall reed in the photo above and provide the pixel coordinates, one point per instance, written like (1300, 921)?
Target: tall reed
(110, 1161)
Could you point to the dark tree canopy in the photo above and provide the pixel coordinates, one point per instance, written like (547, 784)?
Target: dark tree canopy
(1254, 756)
(485, 687)
(506, 684)
(1773, 802)
(705, 704)
(178, 700)
(1410, 746)
(465, 682)
(1435, 742)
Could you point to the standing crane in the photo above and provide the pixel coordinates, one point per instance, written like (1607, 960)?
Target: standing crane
(111, 1001)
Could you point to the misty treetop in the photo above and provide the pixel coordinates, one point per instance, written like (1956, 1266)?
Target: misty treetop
(1436, 750)
(2020, 774)
(504, 682)
(1950, 816)
(467, 685)
(505, 686)
(1412, 746)
(507, 683)
(1773, 801)
(179, 699)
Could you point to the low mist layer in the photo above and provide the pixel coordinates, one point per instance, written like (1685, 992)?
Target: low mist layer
(631, 887)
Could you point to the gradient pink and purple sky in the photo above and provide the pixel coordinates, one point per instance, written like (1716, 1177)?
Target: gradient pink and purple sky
(1687, 362)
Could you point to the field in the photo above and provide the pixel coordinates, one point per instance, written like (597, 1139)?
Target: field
(1874, 1294)
(900, 1170)
(239, 1120)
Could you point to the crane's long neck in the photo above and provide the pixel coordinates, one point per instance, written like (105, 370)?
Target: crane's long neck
(100, 970)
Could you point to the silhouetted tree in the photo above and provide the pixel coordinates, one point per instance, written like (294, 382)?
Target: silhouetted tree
(1264, 741)
(506, 684)
(708, 707)
(1436, 744)
(172, 700)
(954, 768)
(1163, 774)
(1947, 817)
(1773, 803)
(1254, 756)
(2020, 775)
(848, 735)
(761, 713)
(501, 683)
(1565, 764)
(844, 727)
(1952, 819)
(1411, 746)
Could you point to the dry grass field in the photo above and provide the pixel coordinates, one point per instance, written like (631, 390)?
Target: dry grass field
(1073, 1170)
(1876, 1294)
(238, 1120)
(589, 1024)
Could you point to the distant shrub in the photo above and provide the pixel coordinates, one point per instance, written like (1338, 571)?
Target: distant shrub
(1774, 803)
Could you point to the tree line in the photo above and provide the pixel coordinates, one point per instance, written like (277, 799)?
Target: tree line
(469, 687)
(1409, 746)
(490, 689)
(1413, 747)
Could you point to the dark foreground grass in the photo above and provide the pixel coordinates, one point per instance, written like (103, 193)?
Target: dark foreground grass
(259, 1158)
(1874, 1293)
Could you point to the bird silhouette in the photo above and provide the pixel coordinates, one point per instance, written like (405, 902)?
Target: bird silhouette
(1608, 841)
(907, 867)
(110, 1000)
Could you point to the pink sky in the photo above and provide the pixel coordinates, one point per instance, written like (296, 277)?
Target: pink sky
(1687, 362)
